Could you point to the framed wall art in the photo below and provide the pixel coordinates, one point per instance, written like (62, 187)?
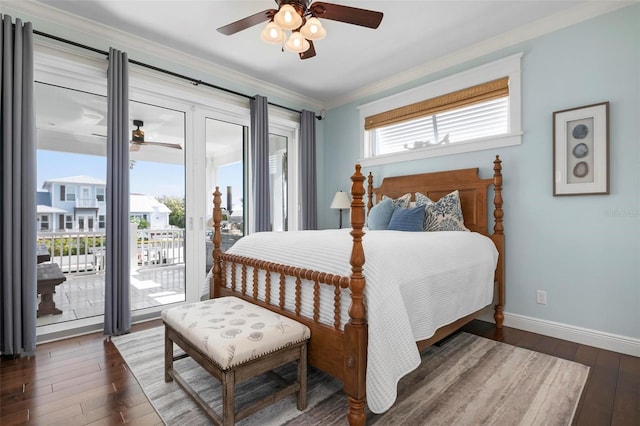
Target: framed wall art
(581, 150)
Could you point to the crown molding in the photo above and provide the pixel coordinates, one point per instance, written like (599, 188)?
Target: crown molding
(42, 13)
(524, 33)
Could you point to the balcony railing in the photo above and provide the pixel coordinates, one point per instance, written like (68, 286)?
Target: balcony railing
(84, 252)
(85, 203)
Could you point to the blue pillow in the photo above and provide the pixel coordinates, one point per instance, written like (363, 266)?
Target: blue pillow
(411, 220)
(380, 215)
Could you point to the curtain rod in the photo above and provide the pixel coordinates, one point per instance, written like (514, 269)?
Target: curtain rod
(194, 81)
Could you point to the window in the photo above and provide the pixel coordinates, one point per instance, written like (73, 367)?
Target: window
(71, 192)
(474, 110)
(68, 224)
(44, 222)
(101, 223)
(100, 194)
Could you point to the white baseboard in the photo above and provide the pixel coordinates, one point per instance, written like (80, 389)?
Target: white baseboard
(599, 339)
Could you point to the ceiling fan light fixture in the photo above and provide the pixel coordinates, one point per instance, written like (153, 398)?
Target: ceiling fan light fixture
(297, 43)
(301, 16)
(272, 34)
(288, 18)
(313, 29)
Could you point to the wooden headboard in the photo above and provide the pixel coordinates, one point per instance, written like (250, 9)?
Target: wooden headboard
(473, 192)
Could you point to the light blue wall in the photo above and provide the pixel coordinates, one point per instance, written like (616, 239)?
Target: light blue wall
(583, 250)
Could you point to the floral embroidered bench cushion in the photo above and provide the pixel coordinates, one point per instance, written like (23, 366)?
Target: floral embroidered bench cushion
(232, 331)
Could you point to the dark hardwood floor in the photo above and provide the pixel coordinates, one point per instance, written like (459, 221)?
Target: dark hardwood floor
(84, 381)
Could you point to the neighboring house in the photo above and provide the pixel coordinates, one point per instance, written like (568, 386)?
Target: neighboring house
(151, 210)
(75, 203)
(78, 203)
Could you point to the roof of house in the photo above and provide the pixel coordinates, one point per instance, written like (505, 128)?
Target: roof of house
(42, 209)
(140, 203)
(88, 180)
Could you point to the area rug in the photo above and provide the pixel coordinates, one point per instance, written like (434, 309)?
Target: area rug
(468, 380)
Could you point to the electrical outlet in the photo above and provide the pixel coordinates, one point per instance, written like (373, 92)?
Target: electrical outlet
(541, 297)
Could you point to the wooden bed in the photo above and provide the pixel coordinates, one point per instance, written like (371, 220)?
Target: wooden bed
(342, 353)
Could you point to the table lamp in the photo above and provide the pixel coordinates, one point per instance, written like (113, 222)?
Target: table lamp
(340, 202)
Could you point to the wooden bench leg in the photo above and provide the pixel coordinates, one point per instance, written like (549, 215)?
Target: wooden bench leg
(302, 378)
(168, 356)
(228, 398)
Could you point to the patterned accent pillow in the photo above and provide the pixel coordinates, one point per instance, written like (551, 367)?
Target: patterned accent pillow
(444, 214)
(411, 220)
(403, 201)
(380, 215)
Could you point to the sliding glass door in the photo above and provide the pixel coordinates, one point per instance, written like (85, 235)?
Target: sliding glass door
(71, 179)
(157, 204)
(278, 181)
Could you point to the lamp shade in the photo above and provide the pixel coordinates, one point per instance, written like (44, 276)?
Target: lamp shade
(288, 18)
(313, 30)
(340, 201)
(297, 43)
(272, 34)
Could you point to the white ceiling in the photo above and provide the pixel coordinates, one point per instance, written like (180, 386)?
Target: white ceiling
(412, 34)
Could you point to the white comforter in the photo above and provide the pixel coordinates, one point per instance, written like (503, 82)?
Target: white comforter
(416, 283)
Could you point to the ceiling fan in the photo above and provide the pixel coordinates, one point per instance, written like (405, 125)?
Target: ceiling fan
(301, 18)
(137, 139)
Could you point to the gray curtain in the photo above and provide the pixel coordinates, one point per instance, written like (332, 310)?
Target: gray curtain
(117, 309)
(18, 296)
(308, 185)
(260, 164)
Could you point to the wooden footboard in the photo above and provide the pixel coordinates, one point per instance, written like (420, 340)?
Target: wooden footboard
(342, 353)
(244, 283)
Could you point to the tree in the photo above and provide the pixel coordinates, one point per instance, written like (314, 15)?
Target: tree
(177, 207)
(142, 223)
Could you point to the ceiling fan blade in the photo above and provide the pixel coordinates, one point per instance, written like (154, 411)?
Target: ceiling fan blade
(134, 147)
(165, 145)
(350, 15)
(247, 22)
(310, 52)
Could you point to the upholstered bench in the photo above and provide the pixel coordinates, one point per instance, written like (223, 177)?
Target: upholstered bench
(235, 340)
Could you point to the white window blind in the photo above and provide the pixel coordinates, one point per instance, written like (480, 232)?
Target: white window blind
(464, 124)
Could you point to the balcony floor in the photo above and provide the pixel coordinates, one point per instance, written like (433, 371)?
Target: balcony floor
(82, 295)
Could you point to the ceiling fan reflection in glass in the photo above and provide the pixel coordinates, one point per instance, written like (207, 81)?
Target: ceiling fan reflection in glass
(137, 139)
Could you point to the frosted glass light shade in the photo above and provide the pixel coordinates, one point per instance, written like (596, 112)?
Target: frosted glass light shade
(313, 30)
(297, 43)
(288, 18)
(272, 34)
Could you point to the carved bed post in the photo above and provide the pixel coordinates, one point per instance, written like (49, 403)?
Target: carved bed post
(498, 239)
(355, 332)
(369, 193)
(214, 286)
